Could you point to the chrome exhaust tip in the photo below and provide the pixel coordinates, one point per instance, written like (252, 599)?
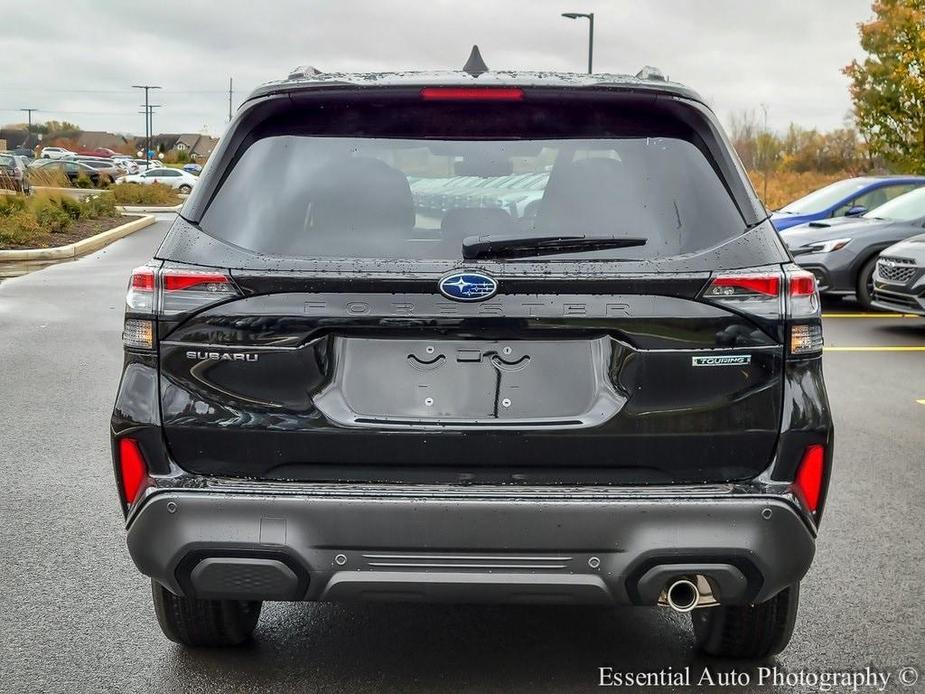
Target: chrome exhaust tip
(682, 595)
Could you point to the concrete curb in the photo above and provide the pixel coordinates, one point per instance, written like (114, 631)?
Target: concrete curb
(19, 262)
(135, 209)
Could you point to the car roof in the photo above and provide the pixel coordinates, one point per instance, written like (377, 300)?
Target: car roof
(898, 178)
(309, 79)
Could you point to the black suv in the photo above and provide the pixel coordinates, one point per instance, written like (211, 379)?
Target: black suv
(474, 337)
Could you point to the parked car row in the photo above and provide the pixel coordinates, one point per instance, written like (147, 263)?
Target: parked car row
(518, 194)
(864, 236)
(101, 171)
(73, 170)
(179, 180)
(13, 173)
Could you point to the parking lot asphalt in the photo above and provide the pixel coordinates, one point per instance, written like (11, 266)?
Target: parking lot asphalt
(76, 616)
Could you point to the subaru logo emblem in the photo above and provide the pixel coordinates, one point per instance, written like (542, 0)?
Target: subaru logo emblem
(468, 286)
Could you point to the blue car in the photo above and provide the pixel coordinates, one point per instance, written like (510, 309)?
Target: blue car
(849, 198)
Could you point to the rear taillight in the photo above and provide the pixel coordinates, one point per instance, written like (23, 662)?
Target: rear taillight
(791, 295)
(169, 291)
(811, 476)
(803, 314)
(140, 296)
(757, 293)
(185, 290)
(761, 285)
(133, 471)
(138, 333)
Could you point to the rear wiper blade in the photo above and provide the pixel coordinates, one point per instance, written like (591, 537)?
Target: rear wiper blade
(526, 246)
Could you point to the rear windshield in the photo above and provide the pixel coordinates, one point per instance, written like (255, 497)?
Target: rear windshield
(397, 198)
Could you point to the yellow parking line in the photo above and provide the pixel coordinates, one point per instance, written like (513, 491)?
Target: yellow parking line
(870, 315)
(921, 402)
(888, 348)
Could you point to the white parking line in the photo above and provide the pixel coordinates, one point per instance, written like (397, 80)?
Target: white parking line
(886, 348)
(870, 315)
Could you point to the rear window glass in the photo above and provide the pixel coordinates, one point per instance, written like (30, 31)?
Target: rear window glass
(305, 196)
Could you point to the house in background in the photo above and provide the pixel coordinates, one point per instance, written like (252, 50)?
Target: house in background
(17, 138)
(199, 147)
(98, 139)
(195, 146)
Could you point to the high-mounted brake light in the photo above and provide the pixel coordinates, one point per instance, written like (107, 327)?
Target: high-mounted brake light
(472, 94)
(133, 471)
(810, 476)
(744, 285)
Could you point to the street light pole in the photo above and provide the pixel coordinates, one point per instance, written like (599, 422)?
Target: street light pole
(149, 123)
(147, 88)
(590, 17)
(764, 146)
(29, 127)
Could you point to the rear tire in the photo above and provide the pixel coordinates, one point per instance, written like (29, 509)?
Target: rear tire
(208, 623)
(748, 631)
(185, 189)
(865, 284)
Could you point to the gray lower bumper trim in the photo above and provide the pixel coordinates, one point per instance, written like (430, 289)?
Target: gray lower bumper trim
(463, 549)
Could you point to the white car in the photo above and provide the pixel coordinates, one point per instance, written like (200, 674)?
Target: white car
(179, 180)
(56, 153)
(127, 165)
(145, 164)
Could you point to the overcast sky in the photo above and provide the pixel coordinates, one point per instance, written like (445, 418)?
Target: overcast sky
(78, 61)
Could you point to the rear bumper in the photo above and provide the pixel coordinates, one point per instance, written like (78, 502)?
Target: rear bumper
(359, 542)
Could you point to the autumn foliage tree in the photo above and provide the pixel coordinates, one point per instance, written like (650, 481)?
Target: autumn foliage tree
(888, 87)
(798, 149)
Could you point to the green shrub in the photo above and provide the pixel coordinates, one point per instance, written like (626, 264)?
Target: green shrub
(72, 207)
(18, 228)
(102, 205)
(11, 204)
(84, 181)
(144, 194)
(50, 216)
(51, 178)
(25, 220)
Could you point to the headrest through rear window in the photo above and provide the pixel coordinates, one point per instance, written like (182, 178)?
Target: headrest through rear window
(587, 196)
(359, 194)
